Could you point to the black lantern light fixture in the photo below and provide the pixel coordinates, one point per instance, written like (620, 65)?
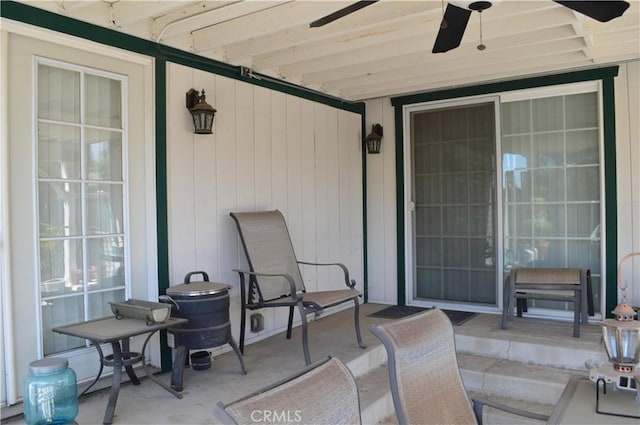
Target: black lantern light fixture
(201, 111)
(374, 139)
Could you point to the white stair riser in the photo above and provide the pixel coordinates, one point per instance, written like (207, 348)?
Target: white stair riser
(515, 387)
(525, 352)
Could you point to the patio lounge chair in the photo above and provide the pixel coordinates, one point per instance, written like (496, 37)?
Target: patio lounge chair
(324, 393)
(426, 385)
(275, 279)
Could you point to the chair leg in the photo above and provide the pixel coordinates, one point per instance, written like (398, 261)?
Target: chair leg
(477, 411)
(243, 311)
(290, 324)
(506, 305)
(521, 305)
(357, 322)
(589, 298)
(305, 339)
(243, 320)
(233, 345)
(577, 306)
(584, 306)
(586, 296)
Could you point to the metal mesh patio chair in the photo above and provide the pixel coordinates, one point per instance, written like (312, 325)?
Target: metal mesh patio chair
(324, 393)
(426, 385)
(275, 279)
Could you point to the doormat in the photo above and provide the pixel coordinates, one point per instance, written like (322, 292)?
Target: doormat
(400, 311)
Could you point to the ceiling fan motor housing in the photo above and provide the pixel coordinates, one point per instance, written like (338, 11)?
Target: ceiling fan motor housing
(480, 5)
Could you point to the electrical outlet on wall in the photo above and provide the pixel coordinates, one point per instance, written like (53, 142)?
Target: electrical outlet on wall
(257, 323)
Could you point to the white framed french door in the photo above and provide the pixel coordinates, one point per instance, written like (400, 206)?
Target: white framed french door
(82, 196)
(80, 223)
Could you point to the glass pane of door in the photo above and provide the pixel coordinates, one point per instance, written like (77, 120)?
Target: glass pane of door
(80, 198)
(551, 178)
(453, 154)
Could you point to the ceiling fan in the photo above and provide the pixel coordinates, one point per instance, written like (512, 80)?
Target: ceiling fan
(455, 19)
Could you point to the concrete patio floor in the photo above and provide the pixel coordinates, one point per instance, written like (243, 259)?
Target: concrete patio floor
(275, 358)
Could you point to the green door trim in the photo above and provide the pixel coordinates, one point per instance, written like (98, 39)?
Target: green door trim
(606, 75)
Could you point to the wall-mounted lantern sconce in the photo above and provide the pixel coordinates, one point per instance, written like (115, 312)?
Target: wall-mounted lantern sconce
(201, 111)
(374, 139)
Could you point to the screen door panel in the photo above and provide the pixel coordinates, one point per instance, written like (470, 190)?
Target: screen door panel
(454, 152)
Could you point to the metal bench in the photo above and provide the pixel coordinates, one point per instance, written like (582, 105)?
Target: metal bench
(559, 284)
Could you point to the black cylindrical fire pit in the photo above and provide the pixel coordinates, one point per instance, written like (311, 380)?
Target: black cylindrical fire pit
(205, 305)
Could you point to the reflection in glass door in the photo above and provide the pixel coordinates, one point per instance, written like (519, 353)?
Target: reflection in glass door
(453, 154)
(81, 193)
(552, 190)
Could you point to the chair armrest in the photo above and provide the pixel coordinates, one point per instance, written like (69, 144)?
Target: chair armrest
(350, 283)
(479, 403)
(292, 285)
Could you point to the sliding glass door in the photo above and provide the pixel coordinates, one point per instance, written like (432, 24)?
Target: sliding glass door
(454, 215)
(498, 183)
(552, 191)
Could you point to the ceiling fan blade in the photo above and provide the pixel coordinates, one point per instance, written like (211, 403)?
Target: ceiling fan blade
(602, 11)
(342, 12)
(452, 29)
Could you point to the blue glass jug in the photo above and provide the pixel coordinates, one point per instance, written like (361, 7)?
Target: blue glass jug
(50, 392)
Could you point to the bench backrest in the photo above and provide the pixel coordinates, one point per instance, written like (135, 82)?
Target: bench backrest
(548, 276)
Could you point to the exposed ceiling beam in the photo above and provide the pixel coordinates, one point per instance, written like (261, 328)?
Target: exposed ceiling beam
(397, 87)
(388, 50)
(268, 21)
(375, 65)
(412, 14)
(226, 12)
(451, 70)
(491, 59)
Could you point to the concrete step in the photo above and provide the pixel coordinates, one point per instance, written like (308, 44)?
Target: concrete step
(389, 420)
(372, 377)
(516, 391)
(494, 416)
(531, 341)
(376, 402)
(514, 380)
(532, 388)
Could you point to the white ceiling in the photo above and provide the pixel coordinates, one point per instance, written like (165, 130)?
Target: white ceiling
(381, 50)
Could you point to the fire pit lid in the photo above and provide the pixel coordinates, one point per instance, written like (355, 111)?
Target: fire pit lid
(194, 289)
